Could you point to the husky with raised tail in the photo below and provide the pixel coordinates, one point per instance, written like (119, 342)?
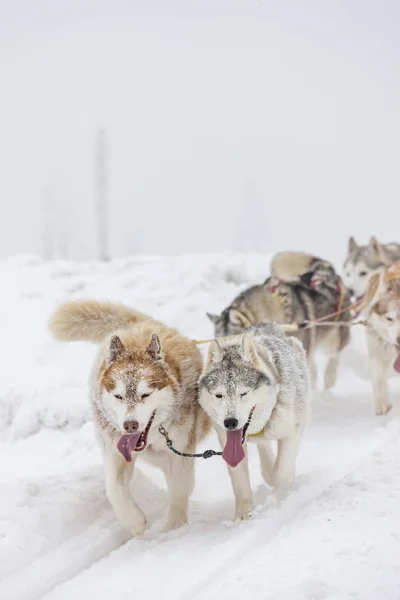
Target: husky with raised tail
(255, 387)
(301, 288)
(145, 375)
(364, 261)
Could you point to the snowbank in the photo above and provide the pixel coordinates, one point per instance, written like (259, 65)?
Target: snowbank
(335, 536)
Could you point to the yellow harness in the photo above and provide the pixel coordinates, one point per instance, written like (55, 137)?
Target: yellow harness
(261, 432)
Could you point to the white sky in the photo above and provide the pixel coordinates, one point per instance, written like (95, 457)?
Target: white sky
(203, 100)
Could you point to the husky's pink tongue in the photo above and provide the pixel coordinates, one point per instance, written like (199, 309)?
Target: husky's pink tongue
(396, 365)
(233, 452)
(127, 444)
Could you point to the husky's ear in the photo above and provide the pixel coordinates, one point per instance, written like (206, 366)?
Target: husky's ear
(352, 244)
(154, 348)
(380, 252)
(213, 318)
(264, 365)
(297, 345)
(375, 287)
(115, 349)
(214, 355)
(237, 318)
(374, 246)
(249, 351)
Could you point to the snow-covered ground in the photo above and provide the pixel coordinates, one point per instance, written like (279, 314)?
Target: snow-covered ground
(336, 536)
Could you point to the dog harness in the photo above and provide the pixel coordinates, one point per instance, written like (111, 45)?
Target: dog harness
(261, 432)
(274, 288)
(340, 289)
(341, 292)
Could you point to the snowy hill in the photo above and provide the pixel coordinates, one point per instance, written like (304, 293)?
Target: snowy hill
(336, 536)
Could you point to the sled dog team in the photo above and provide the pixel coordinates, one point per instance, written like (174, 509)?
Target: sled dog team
(254, 385)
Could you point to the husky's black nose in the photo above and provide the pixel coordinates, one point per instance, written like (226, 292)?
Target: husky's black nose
(231, 423)
(131, 426)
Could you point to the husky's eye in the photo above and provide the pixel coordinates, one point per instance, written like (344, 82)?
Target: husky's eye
(390, 319)
(243, 394)
(143, 396)
(117, 396)
(218, 395)
(363, 273)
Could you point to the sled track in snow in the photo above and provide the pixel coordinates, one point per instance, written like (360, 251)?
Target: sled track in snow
(265, 528)
(92, 548)
(100, 539)
(251, 536)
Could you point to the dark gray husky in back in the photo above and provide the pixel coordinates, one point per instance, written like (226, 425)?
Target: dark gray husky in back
(301, 288)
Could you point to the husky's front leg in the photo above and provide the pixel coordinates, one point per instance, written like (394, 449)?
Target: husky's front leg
(285, 464)
(336, 341)
(331, 372)
(313, 371)
(118, 474)
(380, 386)
(240, 482)
(267, 460)
(180, 480)
(379, 361)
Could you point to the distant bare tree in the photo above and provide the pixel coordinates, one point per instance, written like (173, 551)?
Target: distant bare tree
(58, 235)
(65, 232)
(251, 233)
(102, 195)
(133, 242)
(48, 228)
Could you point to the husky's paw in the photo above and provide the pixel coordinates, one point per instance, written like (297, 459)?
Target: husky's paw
(172, 525)
(282, 481)
(175, 522)
(329, 383)
(133, 520)
(267, 476)
(382, 408)
(243, 511)
(330, 375)
(137, 526)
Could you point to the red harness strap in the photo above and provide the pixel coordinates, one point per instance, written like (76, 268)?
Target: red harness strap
(341, 293)
(276, 284)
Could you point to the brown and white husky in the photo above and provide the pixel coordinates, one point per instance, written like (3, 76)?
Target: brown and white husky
(145, 375)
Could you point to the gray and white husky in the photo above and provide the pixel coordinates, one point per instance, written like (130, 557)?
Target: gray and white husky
(364, 261)
(255, 387)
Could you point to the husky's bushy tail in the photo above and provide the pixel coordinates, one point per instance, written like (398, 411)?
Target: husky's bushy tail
(290, 265)
(91, 321)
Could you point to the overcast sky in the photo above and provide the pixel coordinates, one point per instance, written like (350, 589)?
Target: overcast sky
(292, 108)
